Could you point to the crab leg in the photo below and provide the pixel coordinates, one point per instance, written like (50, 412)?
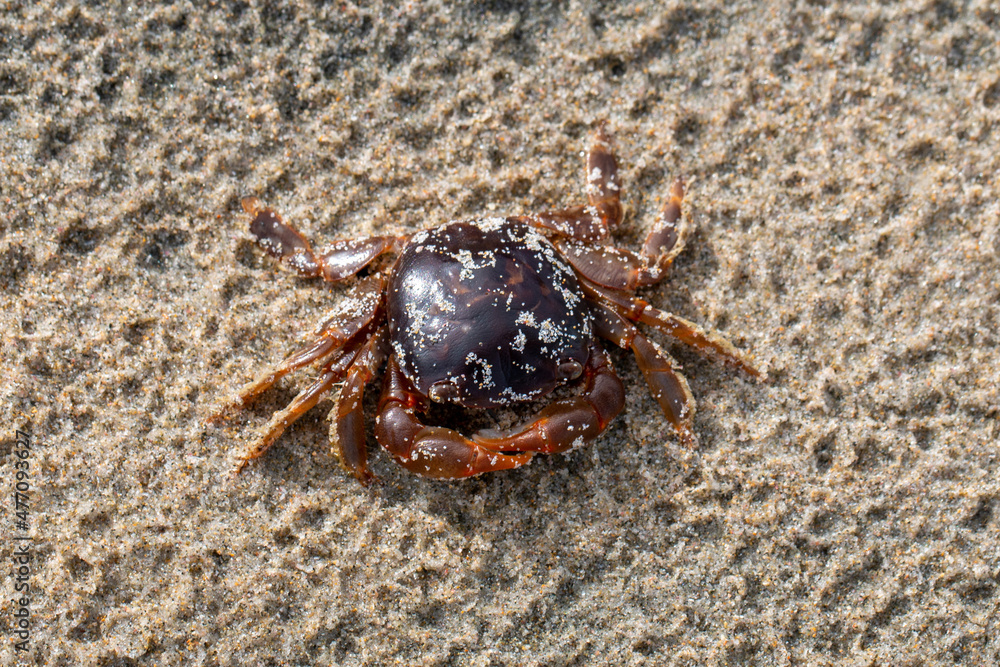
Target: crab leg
(603, 212)
(430, 451)
(302, 403)
(603, 185)
(706, 343)
(667, 238)
(362, 308)
(571, 422)
(667, 385)
(624, 269)
(578, 222)
(347, 430)
(339, 261)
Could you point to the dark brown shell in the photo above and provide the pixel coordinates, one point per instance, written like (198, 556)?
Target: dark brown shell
(486, 313)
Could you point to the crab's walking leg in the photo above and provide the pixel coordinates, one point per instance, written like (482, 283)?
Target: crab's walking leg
(571, 422)
(364, 305)
(341, 260)
(706, 343)
(603, 185)
(347, 431)
(591, 222)
(624, 269)
(430, 451)
(668, 237)
(667, 385)
(305, 401)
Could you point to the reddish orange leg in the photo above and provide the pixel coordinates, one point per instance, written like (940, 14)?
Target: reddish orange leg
(339, 261)
(706, 343)
(304, 402)
(347, 430)
(338, 332)
(317, 351)
(571, 422)
(430, 451)
(667, 239)
(623, 269)
(590, 223)
(667, 385)
(604, 188)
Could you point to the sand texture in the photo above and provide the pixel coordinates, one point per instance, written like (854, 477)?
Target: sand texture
(842, 164)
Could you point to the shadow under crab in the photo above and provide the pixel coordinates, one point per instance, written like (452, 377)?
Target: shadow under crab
(486, 313)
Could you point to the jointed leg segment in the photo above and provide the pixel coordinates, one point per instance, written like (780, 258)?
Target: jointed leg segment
(589, 223)
(623, 269)
(603, 185)
(305, 401)
(667, 385)
(347, 430)
(706, 343)
(339, 261)
(333, 336)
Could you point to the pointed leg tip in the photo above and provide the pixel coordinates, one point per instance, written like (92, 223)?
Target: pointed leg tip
(677, 189)
(602, 131)
(251, 205)
(760, 375)
(688, 437)
(223, 412)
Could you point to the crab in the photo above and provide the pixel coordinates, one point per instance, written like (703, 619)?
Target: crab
(486, 313)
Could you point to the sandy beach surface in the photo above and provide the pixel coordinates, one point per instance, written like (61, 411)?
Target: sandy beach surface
(842, 164)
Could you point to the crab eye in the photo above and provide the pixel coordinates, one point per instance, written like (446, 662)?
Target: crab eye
(443, 391)
(570, 369)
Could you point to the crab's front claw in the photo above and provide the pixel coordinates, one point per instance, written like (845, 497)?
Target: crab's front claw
(568, 423)
(431, 451)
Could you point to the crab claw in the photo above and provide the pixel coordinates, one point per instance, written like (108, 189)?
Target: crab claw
(431, 451)
(568, 423)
